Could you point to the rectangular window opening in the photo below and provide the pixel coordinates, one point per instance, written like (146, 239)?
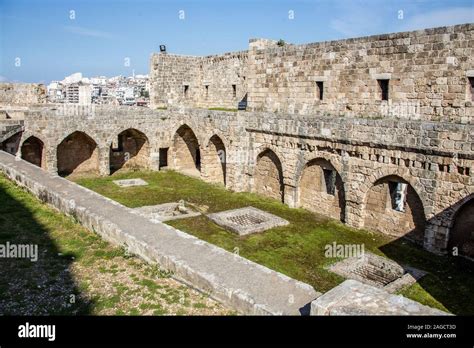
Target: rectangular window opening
(330, 181)
(398, 195)
(186, 90)
(384, 88)
(320, 89)
(163, 157)
(207, 90)
(234, 91)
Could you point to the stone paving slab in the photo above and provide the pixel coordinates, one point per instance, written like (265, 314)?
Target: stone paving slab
(130, 182)
(167, 211)
(355, 298)
(235, 281)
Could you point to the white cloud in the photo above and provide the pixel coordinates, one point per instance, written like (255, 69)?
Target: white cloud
(438, 18)
(88, 32)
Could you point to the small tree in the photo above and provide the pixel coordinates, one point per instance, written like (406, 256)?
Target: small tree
(281, 43)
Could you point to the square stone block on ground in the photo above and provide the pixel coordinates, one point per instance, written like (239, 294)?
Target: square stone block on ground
(167, 211)
(130, 182)
(377, 271)
(247, 220)
(355, 298)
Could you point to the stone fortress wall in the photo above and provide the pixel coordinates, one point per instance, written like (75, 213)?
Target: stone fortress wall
(403, 176)
(217, 81)
(427, 71)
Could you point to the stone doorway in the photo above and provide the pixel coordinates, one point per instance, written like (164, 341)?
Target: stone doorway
(32, 151)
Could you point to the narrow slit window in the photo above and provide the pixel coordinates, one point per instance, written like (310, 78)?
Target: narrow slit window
(234, 91)
(330, 181)
(186, 91)
(207, 90)
(398, 195)
(384, 89)
(320, 89)
(471, 87)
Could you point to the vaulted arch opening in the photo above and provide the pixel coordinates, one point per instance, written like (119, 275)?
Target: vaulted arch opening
(321, 189)
(214, 161)
(132, 151)
(185, 150)
(32, 151)
(394, 207)
(268, 176)
(461, 234)
(77, 153)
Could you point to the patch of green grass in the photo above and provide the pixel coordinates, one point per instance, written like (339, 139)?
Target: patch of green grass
(297, 249)
(71, 260)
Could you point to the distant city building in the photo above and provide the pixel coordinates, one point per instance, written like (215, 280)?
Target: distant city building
(77, 89)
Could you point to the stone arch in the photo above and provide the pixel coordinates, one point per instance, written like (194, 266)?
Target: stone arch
(268, 176)
(185, 151)
(214, 161)
(461, 230)
(132, 151)
(77, 153)
(395, 209)
(321, 189)
(32, 150)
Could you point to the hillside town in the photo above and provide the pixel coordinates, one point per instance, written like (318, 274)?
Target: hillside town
(117, 90)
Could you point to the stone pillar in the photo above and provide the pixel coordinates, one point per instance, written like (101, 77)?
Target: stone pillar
(104, 161)
(51, 165)
(154, 163)
(354, 215)
(290, 197)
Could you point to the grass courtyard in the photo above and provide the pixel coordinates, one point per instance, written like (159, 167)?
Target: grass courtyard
(297, 249)
(76, 272)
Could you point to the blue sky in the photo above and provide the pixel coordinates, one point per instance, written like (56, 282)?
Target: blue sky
(43, 40)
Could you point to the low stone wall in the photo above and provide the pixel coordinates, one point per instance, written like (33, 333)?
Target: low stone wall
(22, 93)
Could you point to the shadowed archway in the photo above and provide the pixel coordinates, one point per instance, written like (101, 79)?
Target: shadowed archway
(268, 176)
(185, 152)
(394, 207)
(32, 151)
(321, 189)
(461, 234)
(132, 151)
(77, 153)
(214, 161)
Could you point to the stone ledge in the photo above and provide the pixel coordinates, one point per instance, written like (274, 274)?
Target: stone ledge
(355, 298)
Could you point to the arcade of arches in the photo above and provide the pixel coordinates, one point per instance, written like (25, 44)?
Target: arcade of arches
(391, 205)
